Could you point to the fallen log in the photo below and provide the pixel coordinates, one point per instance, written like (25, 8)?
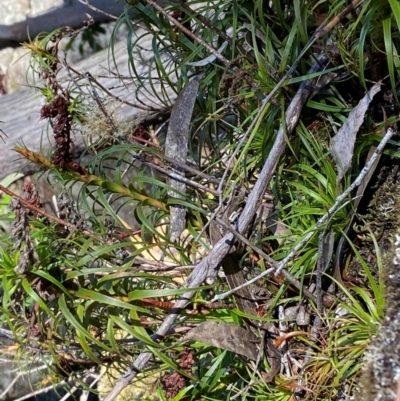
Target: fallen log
(20, 111)
(71, 13)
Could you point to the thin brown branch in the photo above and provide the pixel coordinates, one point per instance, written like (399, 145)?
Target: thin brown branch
(97, 99)
(192, 170)
(115, 97)
(324, 29)
(292, 280)
(218, 31)
(36, 209)
(172, 270)
(181, 178)
(2, 132)
(86, 3)
(189, 33)
(242, 238)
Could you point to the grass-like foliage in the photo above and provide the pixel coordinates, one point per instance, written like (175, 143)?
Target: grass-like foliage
(91, 286)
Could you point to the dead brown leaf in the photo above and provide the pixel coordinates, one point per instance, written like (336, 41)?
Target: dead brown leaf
(342, 144)
(226, 336)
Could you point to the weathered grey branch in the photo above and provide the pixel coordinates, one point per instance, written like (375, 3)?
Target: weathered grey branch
(176, 147)
(209, 265)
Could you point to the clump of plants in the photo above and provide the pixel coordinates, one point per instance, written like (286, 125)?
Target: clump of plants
(267, 202)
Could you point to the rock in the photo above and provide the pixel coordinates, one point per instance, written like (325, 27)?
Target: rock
(380, 379)
(13, 11)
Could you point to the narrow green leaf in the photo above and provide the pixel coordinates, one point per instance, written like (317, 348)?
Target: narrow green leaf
(31, 292)
(50, 278)
(387, 36)
(101, 250)
(80, 310)
(106, 300)
(7, 181)
(395, 5)
(136, 330)
(110, 333)
(140, 294)
(79, 328)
